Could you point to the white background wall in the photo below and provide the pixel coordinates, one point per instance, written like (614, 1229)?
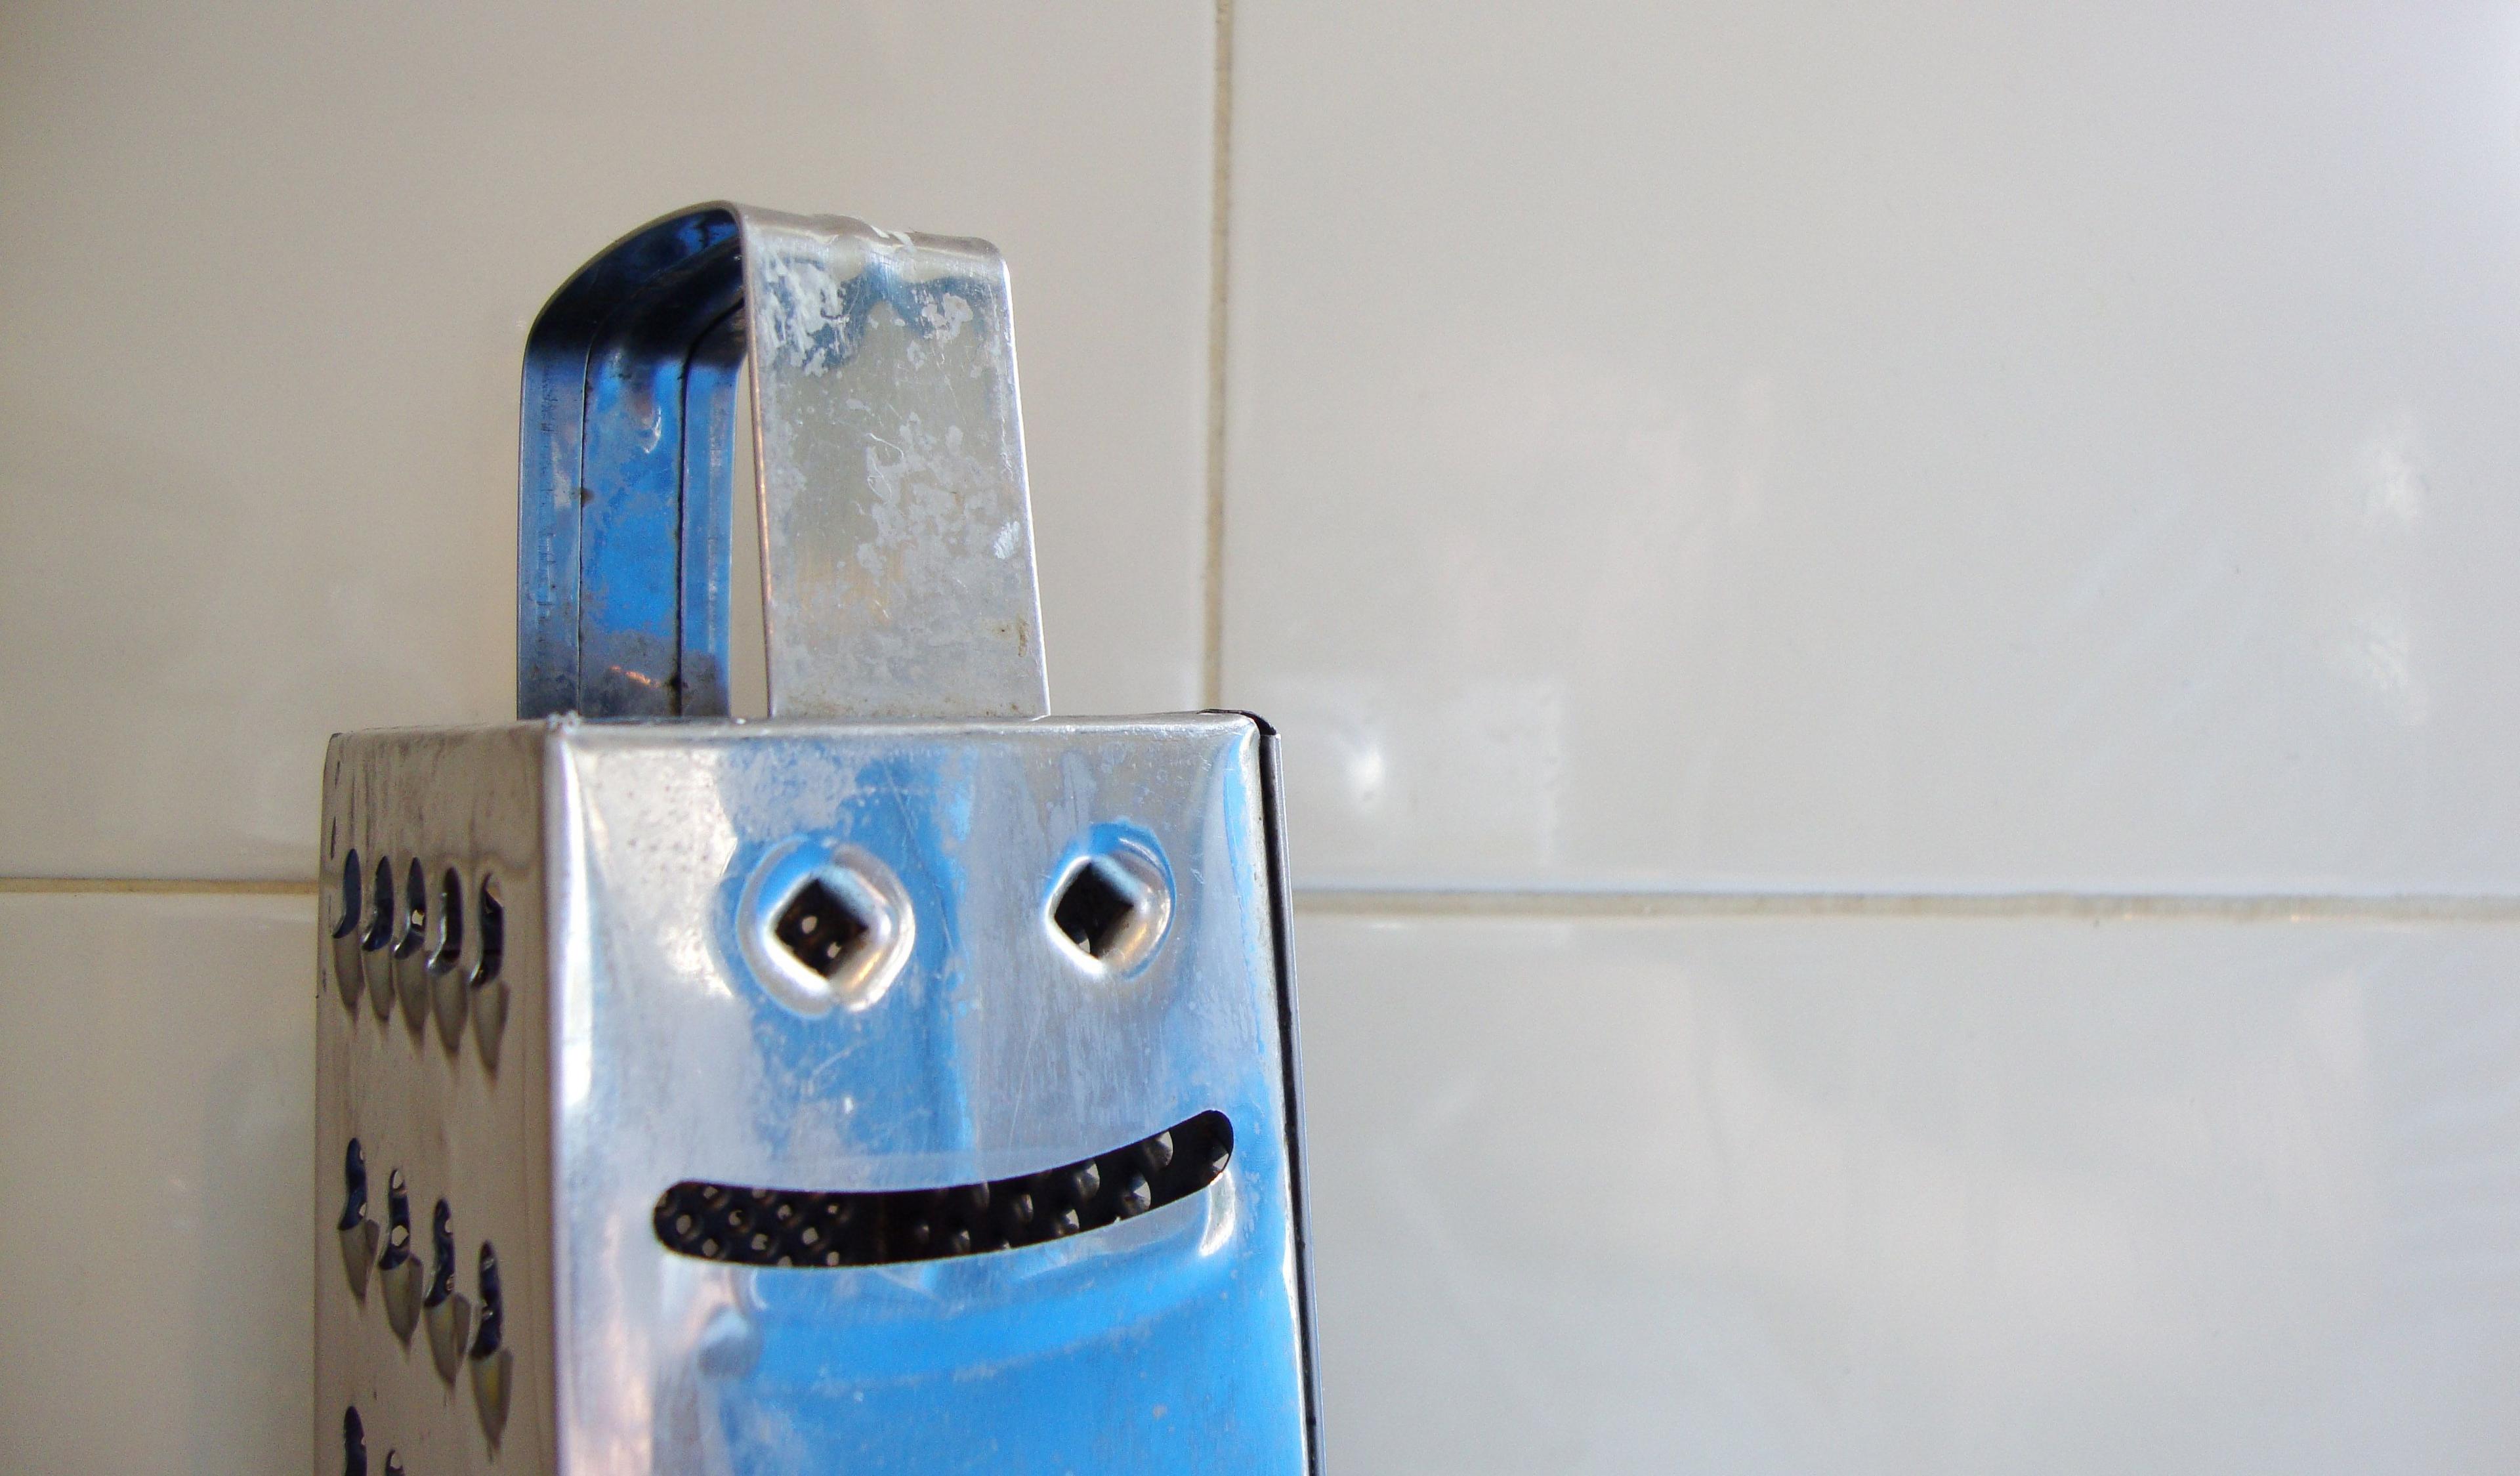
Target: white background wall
(1894, 624)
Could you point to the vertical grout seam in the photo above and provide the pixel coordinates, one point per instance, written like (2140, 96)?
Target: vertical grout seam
(1211, 682)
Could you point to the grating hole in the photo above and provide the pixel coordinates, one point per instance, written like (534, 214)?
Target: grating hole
(393, 1463)
(354, 1443)
(441, 1256)
(490, 1331)
(494, 931)
(350, 898)
(1094, 912)
(380, 909)
(761, 1226)
(414, 918)
(820, 927)
(354, 1179)
(450, 924)
(397, 1224)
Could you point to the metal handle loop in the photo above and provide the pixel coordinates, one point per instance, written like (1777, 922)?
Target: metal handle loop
(897, 565)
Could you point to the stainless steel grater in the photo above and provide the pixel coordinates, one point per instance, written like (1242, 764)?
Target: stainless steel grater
(905, 1083)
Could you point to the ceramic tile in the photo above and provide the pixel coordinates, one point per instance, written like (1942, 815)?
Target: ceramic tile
(1911, 446)
(157, 1067)
(1915, 1196)
(268, 271)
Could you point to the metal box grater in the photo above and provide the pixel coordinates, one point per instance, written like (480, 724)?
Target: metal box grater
(903, 1083)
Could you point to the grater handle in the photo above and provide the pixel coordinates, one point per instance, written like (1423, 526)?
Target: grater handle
(897, 563)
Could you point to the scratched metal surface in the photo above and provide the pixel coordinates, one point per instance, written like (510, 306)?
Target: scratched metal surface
(425, 1100)
(1172, 1342)
(897, 571)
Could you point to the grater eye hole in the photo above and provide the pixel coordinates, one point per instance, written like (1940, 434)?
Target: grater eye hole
(380, 909)
(354, 1443)
(1093, 911)
(450, 924)
(1110, 905)
(350, 899)
(821, 928)
(415, 916)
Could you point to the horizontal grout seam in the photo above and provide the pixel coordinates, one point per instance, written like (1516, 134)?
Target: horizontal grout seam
(1567, 903)
(2095, 907)
(154, 886)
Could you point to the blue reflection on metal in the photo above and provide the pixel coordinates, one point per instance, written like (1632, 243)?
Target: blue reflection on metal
(1171, 1341)
(1131, 1348)
(625, 463)
(899, 1064)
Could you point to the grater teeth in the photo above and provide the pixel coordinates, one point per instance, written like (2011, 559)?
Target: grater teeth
(748, 1226)
(376, 965)
(492, 1375)
(358, 1232)
(358, 1253)
(489, 991)
(436, 950)
(450, 1322)
(410, 967)
(347, 980)
(401, 1284)
(447, 1313)
(493, 1361)
(441, 1258)
(397, 1270)
(448, 989)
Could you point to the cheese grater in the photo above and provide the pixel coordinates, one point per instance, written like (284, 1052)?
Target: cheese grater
(903, 1083)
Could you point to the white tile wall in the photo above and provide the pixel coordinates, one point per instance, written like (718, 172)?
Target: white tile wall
(156, 1086)
(1927, 1196)
(1926, 447)
(1671, 449)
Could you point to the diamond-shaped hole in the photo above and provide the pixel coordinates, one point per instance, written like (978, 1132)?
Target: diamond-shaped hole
(1096, 910)
(821, 928)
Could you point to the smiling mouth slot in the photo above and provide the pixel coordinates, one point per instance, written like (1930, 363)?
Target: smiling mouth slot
(746, 1226)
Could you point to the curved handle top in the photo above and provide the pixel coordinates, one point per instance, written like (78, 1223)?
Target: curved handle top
(897, 564)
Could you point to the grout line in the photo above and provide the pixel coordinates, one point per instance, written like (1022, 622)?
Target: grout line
(1568, 905)
(2092, 907)
(1220, 254)
(155, 887)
